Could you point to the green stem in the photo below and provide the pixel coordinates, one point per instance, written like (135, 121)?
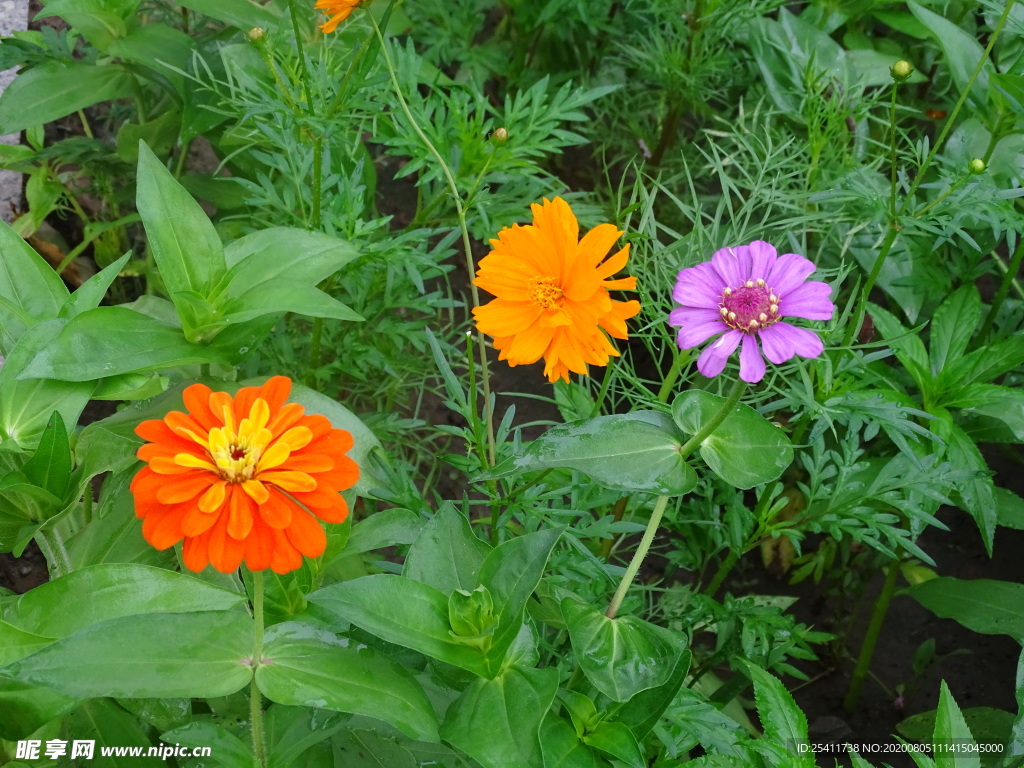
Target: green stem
(606, 381)
(668, 129)
(659, 506)
(303, 73)
(867, 648)
(892, 150)
(466, 245)
(259, 745)
(681, 359)
(617, 512)
(883, 253)
(724, 568)
(1004, 288)
(58, 560)
(87, 504)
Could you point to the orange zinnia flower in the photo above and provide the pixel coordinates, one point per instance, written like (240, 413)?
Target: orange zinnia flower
(552, 292)
(338, 10)
(241, 478)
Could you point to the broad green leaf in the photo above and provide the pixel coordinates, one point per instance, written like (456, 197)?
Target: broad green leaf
(497, 722)
(16, 643)
(286, 297)
(108, 341)
(982, 605)
(99, 21)
(116, 537)
(401, 611)
(951, 731)
(100, 592)
(1009, 509)
(26, 406)
(983, 365)
(642, 712)
(292, 730)
(989, 726)
(195, 655)
(634, 452)
(305, 666)
(562, 748)
(50, 466)
(90, 293)
(976, 495)
(181, 237)
(162, 714)
(106, 723)
(618, 741)
(447, 555)
(385, 528)
(962, 51)
(158, 47)
(365, 748)
(783, 722)
(25, 708)
(56, 89)
(243, 14)
(511, 572)
(621, 656)
(283, 254)
(745, 450)
(906, 345)
(991, 413)
(953, 324)
(30, 291)
(231, 751)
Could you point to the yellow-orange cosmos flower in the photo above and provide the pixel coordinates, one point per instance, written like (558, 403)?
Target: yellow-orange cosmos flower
(338, 10)
(241, 478)
(551, 292)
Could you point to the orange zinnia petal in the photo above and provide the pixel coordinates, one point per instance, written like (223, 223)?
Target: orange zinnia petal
(306, 535)
(185, 486)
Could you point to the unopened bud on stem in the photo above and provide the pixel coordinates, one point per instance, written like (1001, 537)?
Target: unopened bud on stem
(976, 166)
(257, 35)
(500, 136)
(901, 71)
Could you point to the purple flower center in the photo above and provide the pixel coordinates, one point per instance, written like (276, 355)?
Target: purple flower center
(750, 307)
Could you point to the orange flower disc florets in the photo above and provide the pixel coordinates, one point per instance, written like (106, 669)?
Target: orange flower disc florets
(241, 478)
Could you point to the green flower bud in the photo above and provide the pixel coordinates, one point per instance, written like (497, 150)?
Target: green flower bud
(500, 136)
(976, 166)
(901, 71)
(257, 35)
(471, 615)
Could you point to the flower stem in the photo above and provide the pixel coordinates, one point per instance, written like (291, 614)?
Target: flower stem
(892, 151)
(883, 253)
(659, 506)
(467, 247)
(1004, 289)
(867, 647)
(259, 746)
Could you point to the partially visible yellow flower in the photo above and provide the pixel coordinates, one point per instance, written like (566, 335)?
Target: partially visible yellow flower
(338, 10)
(551, 292)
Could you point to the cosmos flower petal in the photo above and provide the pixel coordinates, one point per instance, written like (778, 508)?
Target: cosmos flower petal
(751, 363)
(789, 271)
(714, 357)
(809, 301)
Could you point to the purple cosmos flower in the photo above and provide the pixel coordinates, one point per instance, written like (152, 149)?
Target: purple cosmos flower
(745, 292)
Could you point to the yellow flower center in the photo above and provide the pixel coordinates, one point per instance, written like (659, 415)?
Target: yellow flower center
(237, 451)
(545, 293)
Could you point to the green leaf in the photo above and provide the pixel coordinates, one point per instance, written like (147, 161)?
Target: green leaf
(621, 656)
(283, 254)
(162, 714)
(618, 741)
(634, 452)
(16, 643)
(385, 528)
(26, 406)
(305, 666)
(106, 723)
(50, 466)
(990, 413)
(108, 341)
(511, 572)
(982, 605)
(497, 722)
(642, 712)
(1009, 509)
(976, 495)
(991, 726)
(1017, 731)
(100, 22)
(951, 731)
(745, 450)
(562, 748)
(90, 293)
(30, 291)
(368, 749)
(100, 592)
(953, 325)
(182, 239)
(195, 655)
(231, 751)
(983, 365)
(286, 297)
(401, 611)
(962, 52)
(906, 345)
(447, 555)
(243, 14)
(292, 730)
(783, 722)
(56, 89)
(26, 708)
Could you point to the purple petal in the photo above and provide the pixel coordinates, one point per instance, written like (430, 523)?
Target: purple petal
(712, 360)
(698, 325)
(789, 272)
(809, 301)
(698, 287)
(782, 340)
(751, 362)
(763, 257)
(733, 264)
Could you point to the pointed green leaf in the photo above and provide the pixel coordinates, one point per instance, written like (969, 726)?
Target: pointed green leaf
(50, 466)
(292, 730)
(25, 708)
(783, 722)
(90, 293)
(562, 748)
(953, 325)
(642, 712)
(304, 666)
(447, 555)
(982, 605)
(231, 751)
(385, 528)
(243, 14)
(745, 450)
(195, 655)
(952, 733)
(618, 741)
(962, 51)
(30, 291)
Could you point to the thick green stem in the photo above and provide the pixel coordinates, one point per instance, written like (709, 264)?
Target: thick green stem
(892, 151)
(1004, 288)
(682, 357)
(883, 253)
(58, 560)
(659, 506)
(867, 648)
(259, 744)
